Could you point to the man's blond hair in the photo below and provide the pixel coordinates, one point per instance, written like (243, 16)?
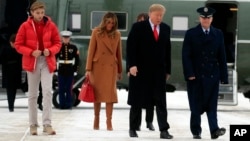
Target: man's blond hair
(37, 5)
(157, 7)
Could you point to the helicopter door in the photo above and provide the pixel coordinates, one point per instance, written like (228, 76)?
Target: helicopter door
(225, 19)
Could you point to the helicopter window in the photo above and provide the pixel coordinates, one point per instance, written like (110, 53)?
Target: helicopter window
(74, 22)
(96, 18)
(180, 25)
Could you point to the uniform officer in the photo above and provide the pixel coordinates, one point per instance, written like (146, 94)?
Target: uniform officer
(204, 65)
(68, 61)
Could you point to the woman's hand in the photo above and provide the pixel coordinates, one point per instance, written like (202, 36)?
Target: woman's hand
(119, 76)
(87, 73)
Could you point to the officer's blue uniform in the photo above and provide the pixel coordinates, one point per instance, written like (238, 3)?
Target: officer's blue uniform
(68, 61)
(204, 58)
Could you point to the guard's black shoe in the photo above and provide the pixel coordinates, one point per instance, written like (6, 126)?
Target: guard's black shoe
(218, 132)
(165, 135)
(132, 133)
(196, 137)
(150, 126)
(40, 107)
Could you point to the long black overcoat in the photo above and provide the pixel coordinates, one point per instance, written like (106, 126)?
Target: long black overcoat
(11, 65)
(204, 57)
(153, 61)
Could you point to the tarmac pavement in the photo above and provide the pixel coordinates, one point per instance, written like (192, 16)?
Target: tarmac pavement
(77, 124)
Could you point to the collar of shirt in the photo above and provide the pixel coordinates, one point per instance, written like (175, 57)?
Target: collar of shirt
(66, 44)
(206, 29)
(41, 23)
(152, 26)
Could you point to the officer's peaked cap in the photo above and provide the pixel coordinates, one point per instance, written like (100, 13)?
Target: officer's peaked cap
(66, 33)
(206, 11)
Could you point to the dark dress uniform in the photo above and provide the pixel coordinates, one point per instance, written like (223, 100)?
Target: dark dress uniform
(204, 58)
(68, 61)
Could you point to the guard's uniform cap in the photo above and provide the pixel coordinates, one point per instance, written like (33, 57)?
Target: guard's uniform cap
(66, 33)
(206, 12)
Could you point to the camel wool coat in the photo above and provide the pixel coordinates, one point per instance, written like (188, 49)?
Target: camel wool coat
(104, 62)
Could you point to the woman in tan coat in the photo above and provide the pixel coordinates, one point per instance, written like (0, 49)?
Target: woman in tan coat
(104, 65)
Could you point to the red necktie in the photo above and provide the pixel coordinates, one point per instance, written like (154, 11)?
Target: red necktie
(155, 32)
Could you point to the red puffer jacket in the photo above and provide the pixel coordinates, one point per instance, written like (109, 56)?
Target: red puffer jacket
(26, 42)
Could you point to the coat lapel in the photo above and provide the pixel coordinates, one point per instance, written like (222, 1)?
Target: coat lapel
(160, 33)
(149, 28)
(107, 42)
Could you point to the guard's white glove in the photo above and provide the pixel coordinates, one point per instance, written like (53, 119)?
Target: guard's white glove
(75, 73)
(56, 73)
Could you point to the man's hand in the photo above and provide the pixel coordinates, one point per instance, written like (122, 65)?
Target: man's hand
(128, 74)
(191, 78)
(46, 52)
(133, 70)
(36, 53)
(167, 76)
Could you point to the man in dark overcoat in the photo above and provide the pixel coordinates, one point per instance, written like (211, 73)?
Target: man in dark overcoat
(11, 68)
(204, 65)
(149, 65)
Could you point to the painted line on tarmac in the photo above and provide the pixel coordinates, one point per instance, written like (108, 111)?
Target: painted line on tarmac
(25, 134)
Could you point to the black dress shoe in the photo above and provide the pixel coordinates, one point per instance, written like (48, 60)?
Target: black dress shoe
(218, 132)
(11, 109)
(138, 129)
(132, 133)
(165, 135)
(196, 137)
(150, 126)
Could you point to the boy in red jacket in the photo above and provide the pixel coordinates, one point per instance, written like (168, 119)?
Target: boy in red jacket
(38, 40)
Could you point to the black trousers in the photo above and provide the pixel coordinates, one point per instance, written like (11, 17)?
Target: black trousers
(149, 114)
(135, 117)
(203, 98)
(11, 95)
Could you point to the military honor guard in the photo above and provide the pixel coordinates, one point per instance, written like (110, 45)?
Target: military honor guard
(68, 61)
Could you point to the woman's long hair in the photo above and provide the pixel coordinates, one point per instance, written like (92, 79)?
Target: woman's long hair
(102, 26)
